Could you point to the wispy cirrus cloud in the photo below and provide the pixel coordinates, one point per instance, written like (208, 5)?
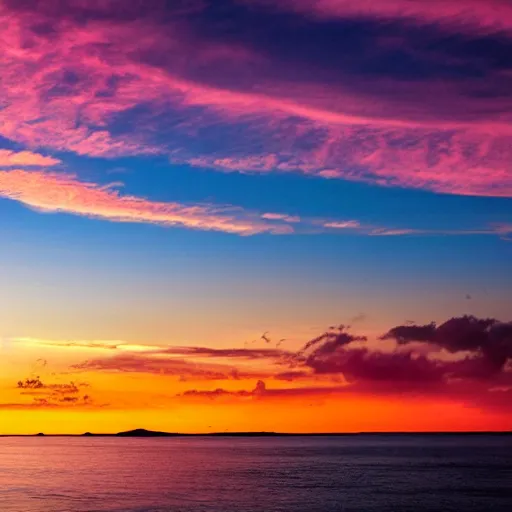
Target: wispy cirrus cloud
(58, 192)
(183, 362)
(353, 226)
(418, 95)
(85, 344)
(156, 350)
(183, 368)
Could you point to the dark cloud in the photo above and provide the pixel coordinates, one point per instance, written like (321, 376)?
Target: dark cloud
(482, 350)
(158, 11)
(30, 383)
(53, 394)
(405, 333)
(363, 364)
(258, 391)
(331, 340)
(262, 391)
(488, 337)
(385, 388)
(292, 375)
(362, 47)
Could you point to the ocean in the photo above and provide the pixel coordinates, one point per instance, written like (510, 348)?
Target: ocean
(286, 474)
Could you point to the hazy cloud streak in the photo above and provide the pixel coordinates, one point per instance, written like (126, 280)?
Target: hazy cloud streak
(54, 192)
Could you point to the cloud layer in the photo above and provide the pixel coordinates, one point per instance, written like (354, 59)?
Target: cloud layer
(464, 358)
(401, 93)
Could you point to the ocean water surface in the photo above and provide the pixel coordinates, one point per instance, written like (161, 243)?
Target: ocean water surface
(288, 474)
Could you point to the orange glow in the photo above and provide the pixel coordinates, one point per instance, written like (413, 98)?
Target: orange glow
(121, 400)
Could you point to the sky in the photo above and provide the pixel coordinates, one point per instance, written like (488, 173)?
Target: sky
(247, 215)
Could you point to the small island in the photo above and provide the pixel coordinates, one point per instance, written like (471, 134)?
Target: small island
(142, 432)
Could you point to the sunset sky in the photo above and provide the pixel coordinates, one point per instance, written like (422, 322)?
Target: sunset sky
(226, 215)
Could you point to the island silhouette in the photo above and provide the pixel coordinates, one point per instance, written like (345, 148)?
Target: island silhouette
(142, 432)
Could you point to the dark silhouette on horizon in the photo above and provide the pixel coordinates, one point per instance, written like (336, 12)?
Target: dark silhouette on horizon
(141, 432)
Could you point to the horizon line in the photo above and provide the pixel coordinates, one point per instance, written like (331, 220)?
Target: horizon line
(153, 433)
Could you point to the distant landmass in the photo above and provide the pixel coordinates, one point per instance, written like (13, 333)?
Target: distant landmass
(141, 432)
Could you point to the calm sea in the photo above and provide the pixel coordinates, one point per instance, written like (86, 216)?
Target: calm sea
(420, 473)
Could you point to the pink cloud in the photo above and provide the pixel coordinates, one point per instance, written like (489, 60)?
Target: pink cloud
(504, 229)
(279, 216)
(53, 192)
(454, 163)
(394, 232)
(72, 88)
(264, 163)
(348, 224)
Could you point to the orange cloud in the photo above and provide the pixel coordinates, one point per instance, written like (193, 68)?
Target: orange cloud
(25, 159)
(54, 192)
